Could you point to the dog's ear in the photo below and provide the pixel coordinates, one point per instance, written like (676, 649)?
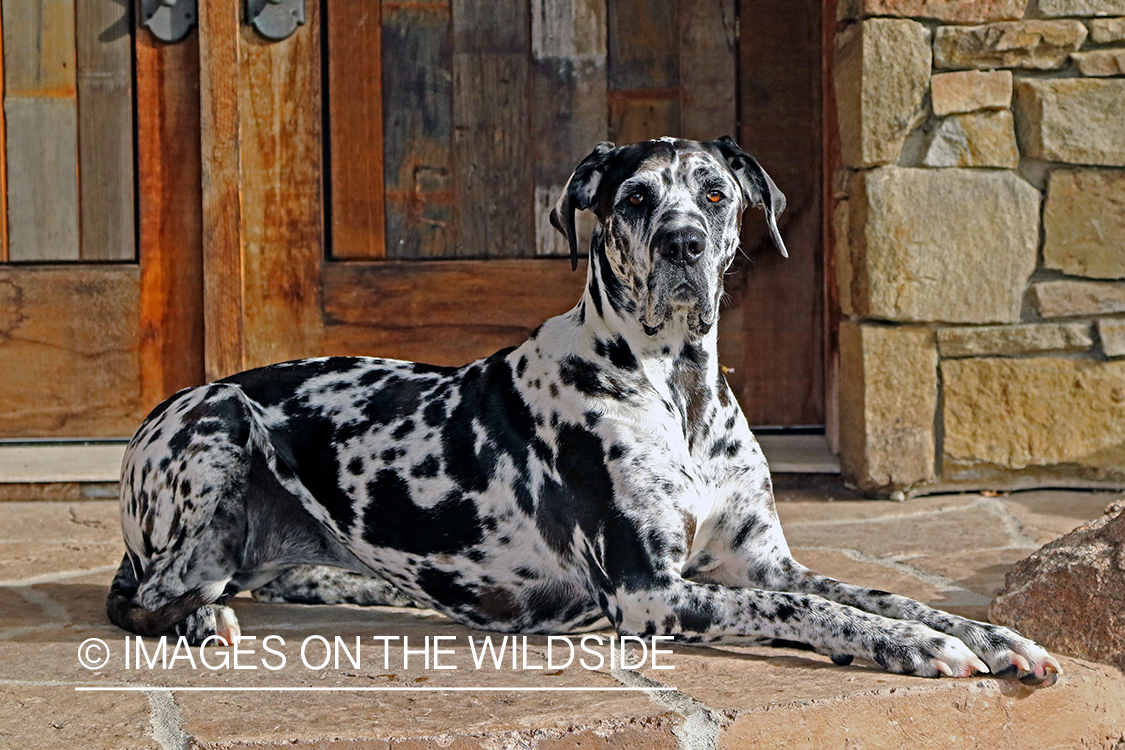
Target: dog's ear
(581, 192)
(757, 187)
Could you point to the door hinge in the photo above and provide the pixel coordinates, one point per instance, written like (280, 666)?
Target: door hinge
(169, 20)
(275, 19)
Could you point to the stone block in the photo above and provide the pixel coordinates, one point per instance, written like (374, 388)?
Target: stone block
(948, 245)
(950, 11)
(1013, 340)
(1073, 120)
(882, 75)
(1039, 412)
(1084, 223)
(1079, 578)
(974, 139)
(1055, 8)
(888, 398)
(1106, 30)
(970, 90)
(1036, 45)
(1100, 62)
(1066, 298)
(1111, 332)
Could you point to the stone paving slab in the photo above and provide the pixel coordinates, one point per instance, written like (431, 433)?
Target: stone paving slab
(56, 560)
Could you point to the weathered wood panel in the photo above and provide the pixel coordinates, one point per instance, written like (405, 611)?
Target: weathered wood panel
(444, 312)
(42, 129)
(643, 44)
(782, 301)
(282, 217)
(493, 164)
(107, 228)
(219, 34)
(76, 329)
(569, 111)
(355, 116)
(171, 220)
(418, 128)
(643, 70)
(42, 178)
(708, 69)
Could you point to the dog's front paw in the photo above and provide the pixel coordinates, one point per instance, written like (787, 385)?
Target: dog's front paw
(208, 621)
(927, 653)
(1011, 656)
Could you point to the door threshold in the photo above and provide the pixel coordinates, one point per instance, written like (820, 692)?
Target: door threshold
(798, 453)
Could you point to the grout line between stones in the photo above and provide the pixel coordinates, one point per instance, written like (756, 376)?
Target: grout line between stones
(1016, 534)
(700, 728)
(971, 598)
(55, 577)
(167, 727)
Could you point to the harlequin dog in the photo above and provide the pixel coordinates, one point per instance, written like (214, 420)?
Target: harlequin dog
(601, 472)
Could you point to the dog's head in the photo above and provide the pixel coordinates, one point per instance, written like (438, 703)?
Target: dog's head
(669, 213)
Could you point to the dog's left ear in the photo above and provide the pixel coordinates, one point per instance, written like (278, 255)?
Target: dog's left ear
(757, 187)
(581, 192)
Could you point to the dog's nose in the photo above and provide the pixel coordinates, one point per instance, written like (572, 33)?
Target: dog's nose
(683, 245)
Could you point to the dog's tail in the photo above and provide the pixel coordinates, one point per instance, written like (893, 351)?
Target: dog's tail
(126, 614)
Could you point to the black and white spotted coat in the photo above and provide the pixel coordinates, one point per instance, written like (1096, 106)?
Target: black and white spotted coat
(600, 472)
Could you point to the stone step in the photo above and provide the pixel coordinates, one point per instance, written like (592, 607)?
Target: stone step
(100, 461)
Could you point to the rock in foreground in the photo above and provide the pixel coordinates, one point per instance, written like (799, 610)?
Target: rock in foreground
(1070, 595)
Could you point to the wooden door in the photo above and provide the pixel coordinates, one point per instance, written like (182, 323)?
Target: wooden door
(100, 282)
(380, 182)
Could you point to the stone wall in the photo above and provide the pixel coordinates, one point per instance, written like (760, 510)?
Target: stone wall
(980, 243)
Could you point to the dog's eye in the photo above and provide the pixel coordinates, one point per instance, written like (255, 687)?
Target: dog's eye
(636, 199)
(714, 196)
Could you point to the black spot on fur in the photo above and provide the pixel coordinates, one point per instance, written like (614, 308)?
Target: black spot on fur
(393, 520)
(426, 468)
(403, 430)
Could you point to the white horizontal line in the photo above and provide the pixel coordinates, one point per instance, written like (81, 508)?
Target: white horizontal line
(429, 689)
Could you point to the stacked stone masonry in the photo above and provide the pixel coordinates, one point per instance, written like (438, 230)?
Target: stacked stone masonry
(980, 243)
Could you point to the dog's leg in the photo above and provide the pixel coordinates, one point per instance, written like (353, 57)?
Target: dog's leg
(321, 584)
(753, 552)
(696, 612)
(1007, 653)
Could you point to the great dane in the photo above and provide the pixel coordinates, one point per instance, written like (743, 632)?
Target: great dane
(599, 473)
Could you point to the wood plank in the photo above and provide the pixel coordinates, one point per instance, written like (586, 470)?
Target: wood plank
(280, 182)
(42, 129)
(491, 141)
(782, 301)
(107, 228)
(708, 69)
(42, 145)
(355, 102)
(418, 128)
(643, 44)
(39, 51)
(444, 312)
(222, 217)
(491, 146)
(171, 217)
(75, 328)
(569, 112)
(643, 115)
